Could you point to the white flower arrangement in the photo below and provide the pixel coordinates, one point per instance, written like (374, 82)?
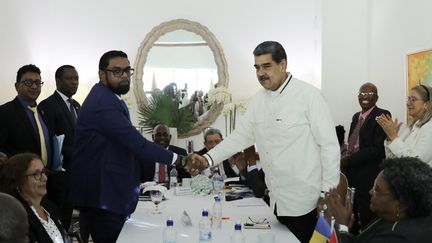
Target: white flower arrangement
(201, 185)
(218, 95)
(230, 112)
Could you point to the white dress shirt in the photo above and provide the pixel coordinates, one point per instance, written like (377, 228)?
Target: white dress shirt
(295, 136)
(415, 142)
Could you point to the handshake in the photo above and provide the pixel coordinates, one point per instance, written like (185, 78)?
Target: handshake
(193, 163)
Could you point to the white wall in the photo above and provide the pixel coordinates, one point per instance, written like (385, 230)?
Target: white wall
(50, 33)
(359, 40)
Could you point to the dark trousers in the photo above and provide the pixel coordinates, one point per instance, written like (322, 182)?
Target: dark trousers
(301, 226)
(58, 192)
(104, 226)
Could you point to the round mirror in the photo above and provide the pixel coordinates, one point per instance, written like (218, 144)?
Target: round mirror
(187, 55)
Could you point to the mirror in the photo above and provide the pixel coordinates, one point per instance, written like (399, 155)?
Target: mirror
(197, 51)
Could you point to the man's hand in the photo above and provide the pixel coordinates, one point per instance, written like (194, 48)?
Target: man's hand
(196, 163)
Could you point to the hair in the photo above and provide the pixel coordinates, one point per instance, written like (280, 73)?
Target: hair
(60, 70)
(340, 132)
(12, 173)
(13, 220)
(410, 181)
(271, 47)
(30, 68)
(104, 60)
(211, 131)
(161, 125)
(425, 94)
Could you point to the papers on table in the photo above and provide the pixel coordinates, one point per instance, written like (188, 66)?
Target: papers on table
(250, 202)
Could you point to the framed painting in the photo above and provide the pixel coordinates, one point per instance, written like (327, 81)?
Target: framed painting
(419, 68)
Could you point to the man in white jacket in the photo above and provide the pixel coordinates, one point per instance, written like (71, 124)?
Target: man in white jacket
(291, 125)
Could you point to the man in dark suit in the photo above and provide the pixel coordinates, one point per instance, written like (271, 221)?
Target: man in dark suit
(232, 167)
(105, 169)
(152, 171)
(365, 152)
(60, 112)
(22, 124)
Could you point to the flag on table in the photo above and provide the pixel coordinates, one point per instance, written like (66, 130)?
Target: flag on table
(322, 231)
(333, 237)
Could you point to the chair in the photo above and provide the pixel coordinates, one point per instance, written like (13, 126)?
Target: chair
(342, 189)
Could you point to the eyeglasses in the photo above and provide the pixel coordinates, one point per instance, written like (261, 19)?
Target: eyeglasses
(30, 83)
(38, 174)
(260, 221)
(366, 94)
(118, 72)
(412, 99)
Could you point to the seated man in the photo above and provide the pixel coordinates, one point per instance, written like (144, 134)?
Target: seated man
(255, 176)
(232, 167)
(160, 172)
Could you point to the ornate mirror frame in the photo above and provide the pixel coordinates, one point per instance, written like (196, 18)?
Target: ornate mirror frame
(219, 58)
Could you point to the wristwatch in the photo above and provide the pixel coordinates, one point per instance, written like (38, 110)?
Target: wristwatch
(343, 228)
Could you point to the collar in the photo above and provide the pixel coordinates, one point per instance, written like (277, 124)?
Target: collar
(25, 103)
(64, 97)
(283, 86)
(365, 114)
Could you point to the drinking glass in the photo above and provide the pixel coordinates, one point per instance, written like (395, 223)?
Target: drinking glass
(156, 197)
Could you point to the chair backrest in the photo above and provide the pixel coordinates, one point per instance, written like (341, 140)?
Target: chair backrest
(342, 189)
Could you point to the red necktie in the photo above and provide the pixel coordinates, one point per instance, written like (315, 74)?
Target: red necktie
(352, 140)
(161, 172)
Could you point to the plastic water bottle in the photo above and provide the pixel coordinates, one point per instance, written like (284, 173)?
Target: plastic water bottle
(170, 234)
(218, 184)
(205, 234)
(237, 236)
(217, 213)
(173, 177)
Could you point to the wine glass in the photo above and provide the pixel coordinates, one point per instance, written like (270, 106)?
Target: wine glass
(156, 197)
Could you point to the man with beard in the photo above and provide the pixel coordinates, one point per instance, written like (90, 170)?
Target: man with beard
(60, 111)
(105, 170)
(291, 125)
(365, 153)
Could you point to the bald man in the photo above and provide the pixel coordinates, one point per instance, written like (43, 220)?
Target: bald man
(365, 152)
(13, 220)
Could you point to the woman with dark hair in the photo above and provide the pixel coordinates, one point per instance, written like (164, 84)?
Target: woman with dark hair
(24, 177)
(415, 139)
(402, 200)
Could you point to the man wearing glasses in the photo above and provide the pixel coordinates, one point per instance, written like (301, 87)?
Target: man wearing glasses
(105, 169)
(22, 125)
(365, 152)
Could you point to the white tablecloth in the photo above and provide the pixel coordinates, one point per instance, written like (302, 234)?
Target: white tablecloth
(143, 226)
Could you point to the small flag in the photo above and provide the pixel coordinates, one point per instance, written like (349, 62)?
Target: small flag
(333, 237)
(322, 231)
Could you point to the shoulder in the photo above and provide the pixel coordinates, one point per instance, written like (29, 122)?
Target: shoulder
(177, 150)
(379, 111)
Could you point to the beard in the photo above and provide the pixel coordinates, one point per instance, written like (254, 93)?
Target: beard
(122, 87)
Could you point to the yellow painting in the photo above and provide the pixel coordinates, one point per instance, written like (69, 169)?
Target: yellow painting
(419, 68)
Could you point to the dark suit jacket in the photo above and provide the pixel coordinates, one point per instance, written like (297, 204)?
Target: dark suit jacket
(362, 167)
(17, 134)
(406, 231)
(148, 168)
(105, 171)
(37, 232)
(59, 119)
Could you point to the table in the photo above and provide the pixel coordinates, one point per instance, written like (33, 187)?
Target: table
(143, 226)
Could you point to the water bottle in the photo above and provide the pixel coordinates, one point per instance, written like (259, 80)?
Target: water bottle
(217, 213)
(205, 234)
(173, 177)
(170, 234)
(218, 184)
(237, 236)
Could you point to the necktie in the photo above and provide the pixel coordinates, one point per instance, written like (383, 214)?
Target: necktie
(72, 109)
(161, 172)
(43, 149)
(354, 136)
(125, 107)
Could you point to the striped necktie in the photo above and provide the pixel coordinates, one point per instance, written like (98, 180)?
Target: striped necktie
(72, 109)
(43, 149)
(352, 140)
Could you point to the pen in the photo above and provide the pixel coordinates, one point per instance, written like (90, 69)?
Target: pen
(225, 218)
